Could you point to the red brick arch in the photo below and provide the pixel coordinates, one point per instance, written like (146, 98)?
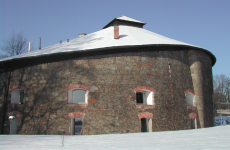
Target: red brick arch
(144, 87)
(17, 87)
(78, 86)
(76, 115)
(191, 91)
(145, 115)
(192, 115)
(14, 113)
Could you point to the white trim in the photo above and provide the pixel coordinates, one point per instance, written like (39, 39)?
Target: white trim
(148, 96)
(129, 19)
(70, 95)
(189, 97)
(15, 96)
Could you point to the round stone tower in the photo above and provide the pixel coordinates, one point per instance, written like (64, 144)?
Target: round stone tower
(120, 79)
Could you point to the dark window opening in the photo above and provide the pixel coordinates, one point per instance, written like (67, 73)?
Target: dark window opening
(139, 97)
(144, 125)
(21, 97)
(192, 123)
(77, 126)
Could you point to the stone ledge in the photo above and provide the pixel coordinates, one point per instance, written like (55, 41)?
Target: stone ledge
(77, 105)
(20, 105)
(144, 106)
(192, 107)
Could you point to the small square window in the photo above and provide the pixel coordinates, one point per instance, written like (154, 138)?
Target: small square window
(189, 99)
(144, 97)
(17, 96)
(77, 96)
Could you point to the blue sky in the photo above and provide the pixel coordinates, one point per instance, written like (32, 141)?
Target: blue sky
(204, 23)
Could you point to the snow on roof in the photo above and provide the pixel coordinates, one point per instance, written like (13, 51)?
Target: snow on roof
(129, 36)
(214, 138)
(129, 19)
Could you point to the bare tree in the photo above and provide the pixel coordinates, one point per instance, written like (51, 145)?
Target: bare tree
(16, 44)
(221, 85)
(3, 56)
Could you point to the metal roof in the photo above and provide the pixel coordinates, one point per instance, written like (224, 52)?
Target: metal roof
(129, 19)
(128, 36)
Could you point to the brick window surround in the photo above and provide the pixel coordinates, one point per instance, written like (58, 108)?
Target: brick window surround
(17, 87)
(14, 113)
(17, 94)
(145, 115)
(144, 87)
(71, 90)
(189, 94)
(76, 115)
(148, 96)
(191, 91)
(192, 115)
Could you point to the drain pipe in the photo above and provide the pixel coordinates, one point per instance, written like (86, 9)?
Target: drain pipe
(5, 100)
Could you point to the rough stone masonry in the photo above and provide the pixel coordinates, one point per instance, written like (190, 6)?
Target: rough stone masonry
(111, 80)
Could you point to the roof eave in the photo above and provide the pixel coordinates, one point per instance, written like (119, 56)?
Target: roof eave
(121, 20)
(99, 51)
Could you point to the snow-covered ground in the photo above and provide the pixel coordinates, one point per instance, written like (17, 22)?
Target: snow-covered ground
(208, 138)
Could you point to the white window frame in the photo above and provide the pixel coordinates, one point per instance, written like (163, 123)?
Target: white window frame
(15, 96)
(189, 97)
(148, 124)
(148, 97)
(72, 125)
(13, 125)
(70, 95)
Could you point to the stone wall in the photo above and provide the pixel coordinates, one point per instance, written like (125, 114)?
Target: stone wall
(3, 87)
(112, 79)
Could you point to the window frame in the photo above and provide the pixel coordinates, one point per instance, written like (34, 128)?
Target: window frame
(188, 99)
(15, 96)
(70, 96)
(148, 97)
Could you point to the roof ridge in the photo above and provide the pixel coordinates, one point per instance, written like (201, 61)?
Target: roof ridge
(128, 17)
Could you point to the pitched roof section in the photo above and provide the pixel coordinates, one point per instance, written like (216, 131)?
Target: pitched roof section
(129, 19)
(124, 20)
(128, 36)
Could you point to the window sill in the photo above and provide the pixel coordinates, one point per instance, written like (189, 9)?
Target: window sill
(145, 106)
(77, 105)
(21, 105)
(191, 107)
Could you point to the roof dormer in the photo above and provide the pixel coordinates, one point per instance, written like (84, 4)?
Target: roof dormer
(127, 21)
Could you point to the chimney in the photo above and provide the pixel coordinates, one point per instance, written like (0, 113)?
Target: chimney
(29, 48)
(67, 40)
(116, 32)
(82, 34)
(39, 44)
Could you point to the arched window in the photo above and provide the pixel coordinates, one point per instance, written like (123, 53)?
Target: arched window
(76, 126)
(189, 98)
(144, 95)
(76, 122)
(78, 94)
(13, 124)
(146, 124)
(13, 118)
(17, 96)
(146, 121)
(193, 122)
